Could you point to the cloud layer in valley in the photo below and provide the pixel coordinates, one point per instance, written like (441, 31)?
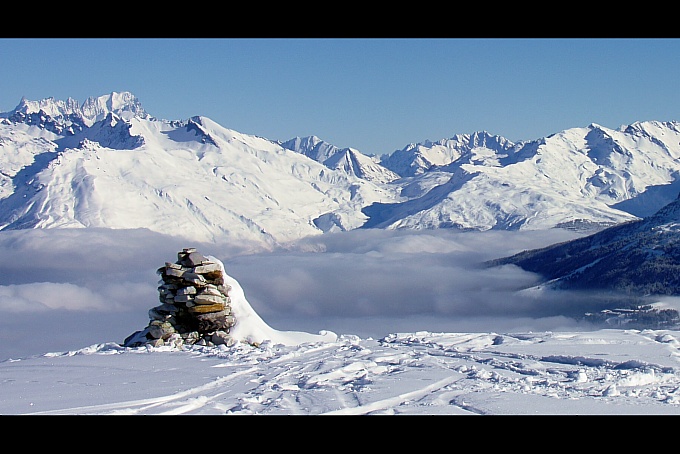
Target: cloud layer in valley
(63, 289)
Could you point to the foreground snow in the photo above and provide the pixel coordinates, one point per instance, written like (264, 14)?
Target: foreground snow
(599, 372)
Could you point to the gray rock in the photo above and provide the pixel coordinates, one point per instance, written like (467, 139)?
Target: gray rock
(220, 337)
(183, 298)
(195, 259)
(207, 268)
(204, 298)
(212, 289)
(175, 272)
(194, 278)
(161, 330)
(190, 290)
(162, 312)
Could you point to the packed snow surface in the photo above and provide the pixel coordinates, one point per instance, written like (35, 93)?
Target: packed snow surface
(586, 373)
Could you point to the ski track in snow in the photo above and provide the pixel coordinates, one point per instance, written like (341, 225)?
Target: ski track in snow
(412, 374)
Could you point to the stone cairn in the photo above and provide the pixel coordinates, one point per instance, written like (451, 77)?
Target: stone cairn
(195, 305)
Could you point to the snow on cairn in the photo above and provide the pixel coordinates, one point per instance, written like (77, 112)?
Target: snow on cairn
(201, 304)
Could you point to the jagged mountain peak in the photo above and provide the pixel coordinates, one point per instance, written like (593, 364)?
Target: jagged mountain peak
(64, 114)
(123, 104)
(349, 160)
(50, 106)
(418, 158)
(298, 142)
(312, 147)
(478, 139)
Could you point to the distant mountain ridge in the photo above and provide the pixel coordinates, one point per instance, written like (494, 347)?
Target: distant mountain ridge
(418, 158)
(69, 117)
(108, 163)
(348, 160)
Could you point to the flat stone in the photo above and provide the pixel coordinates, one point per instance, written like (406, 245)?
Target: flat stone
(210, 299)
(175, 272)
(212, 289)
(162, 312)
(214, 321)
(208, 268)
(189, 290)
(194, 258)
(206, 308)
(194, 279)
(183, 298)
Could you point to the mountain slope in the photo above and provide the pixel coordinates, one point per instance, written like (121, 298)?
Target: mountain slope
(418, 158)
(108, 163)
(637, 258)
(581, 177)
(348, 160)
(187, 178)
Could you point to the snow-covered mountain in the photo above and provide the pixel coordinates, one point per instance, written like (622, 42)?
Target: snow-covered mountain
(418, 158)
(636, 258)
(68, 117)
(580, 177)
(348, 160)
(190, 178)
(108, 163)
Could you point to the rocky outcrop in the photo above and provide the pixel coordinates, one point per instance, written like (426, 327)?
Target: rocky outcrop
(195, 305)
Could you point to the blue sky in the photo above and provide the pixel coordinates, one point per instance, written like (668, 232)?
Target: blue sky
(375, 94)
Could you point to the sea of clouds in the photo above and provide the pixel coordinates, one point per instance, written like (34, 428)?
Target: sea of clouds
(64, 289)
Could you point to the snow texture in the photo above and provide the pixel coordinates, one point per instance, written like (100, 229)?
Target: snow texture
(109, 164)
(622, 372)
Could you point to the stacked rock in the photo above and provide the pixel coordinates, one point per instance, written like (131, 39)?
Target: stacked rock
(195, 305)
